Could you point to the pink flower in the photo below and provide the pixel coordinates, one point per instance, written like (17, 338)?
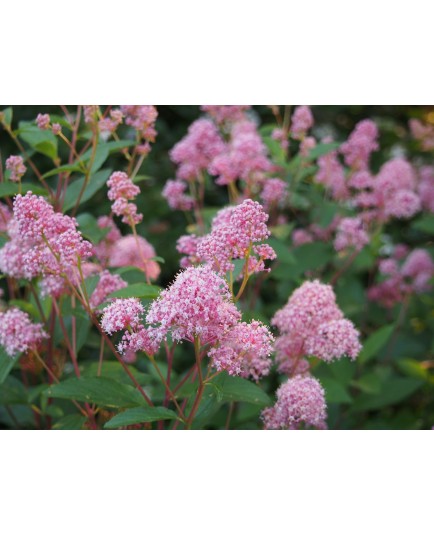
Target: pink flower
(331, 174)
(122, 314)
(245, 157)
(426, 187)
(301, 236)
(233, 234)
(5, 216)
(279, 134)
(223, 114)
(334, 340)
(122, 190)
(107, 284)
(302, 121)
(105, 246)
(142, 118)
(244, 350)
(18, 333)
(140, 340)
(351, 235)
(17, 168)
(300, 401)
(134, 251)
(419, 267)
(91, 112)
(361, 143)
(306, 145)
(311, 323)
(43, 121)
(187, 245)
(56, 129)
(110, 124)
(197, 304)
(274, 193)
(174, 193)
(197, 149)
(423, 132)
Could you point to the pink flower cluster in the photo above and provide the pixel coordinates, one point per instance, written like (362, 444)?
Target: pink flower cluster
(236, 233)
(226, 114)
(300, 401)
(424, 133)
(245, 156)
(197, 304)
(107, 284)
(117, 251)
(5, 216)
(351, 235)
(43, 121)
(126, 315)
(15, 165)
(331, 174)
(174, 193)
(122, 190)
(43, 242)
(363, 141)
(18, 333)
(426, 187)
(142, 118)
(403, 279)
(195, 152)
(111, 123)
(244, 350)
(274, 193)
(311, 323)
(302, 121)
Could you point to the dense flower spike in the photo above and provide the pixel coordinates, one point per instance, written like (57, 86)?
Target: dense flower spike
(426, 187)
(302, 121)
(311, 323)
(223, 114)
(107, 284)
(300, 402)
(363, 141)
(122, 190)
(174, 193)
(5, 216)
(274, 193)
(197, 149)
(402, 280)
(111, 123)
(351, 235)
(234, 233)
(18, 333)
(15, 165)
(43, 121)
(187, 245)
(244, 158)
(43, 242)
(197, 304)
(244, 350)
(122, 314)
(424, 133)
(332, 175)
(142, 118)
(134, 251)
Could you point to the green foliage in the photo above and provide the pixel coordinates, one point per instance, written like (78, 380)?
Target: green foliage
(140, 415)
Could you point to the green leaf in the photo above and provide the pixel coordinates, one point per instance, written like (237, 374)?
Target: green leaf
(88, 225)
(62, 169)
(335, 392)
(393, 390)
(6, 364)
(6, 116)
(13, 392)
(115, 371)
(425, 224)
(321, 149)
(42, 141)
(70, 422)
(9, 189)
(96, 182)
(101, 391)
(313, 256)
(375, 343)
(100, 156)
(140, 415)
(235, 389)
(282, 251)
(137, 290)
